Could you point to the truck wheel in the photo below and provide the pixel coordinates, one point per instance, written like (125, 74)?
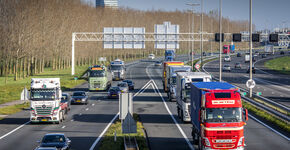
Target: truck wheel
(178, 112)
(64, 115)
(194, 137)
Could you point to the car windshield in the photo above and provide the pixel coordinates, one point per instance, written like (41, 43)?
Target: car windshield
(79, 94)
(223, 115)
(128, 81)
(117, 67)
(97, 73)
(122, 84)
(43, 94)
(227, 56)
(226, 65)
(53, 139)
(174, 80)
(114, 89)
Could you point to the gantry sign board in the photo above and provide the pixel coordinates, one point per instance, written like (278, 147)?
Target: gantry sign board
(166, 36)
(124, 37)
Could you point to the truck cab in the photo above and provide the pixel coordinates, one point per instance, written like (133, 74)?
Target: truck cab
(171, 77)
(45, 100)
(184, 79)
(118, 69)
(217, 116)
(169, 55)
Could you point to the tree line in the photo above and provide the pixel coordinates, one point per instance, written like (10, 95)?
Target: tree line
(36, 34)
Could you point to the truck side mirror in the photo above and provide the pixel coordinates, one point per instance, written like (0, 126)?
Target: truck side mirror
(199, 115)
(246, 114)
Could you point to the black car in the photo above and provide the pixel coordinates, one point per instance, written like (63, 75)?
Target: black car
(203, 53)
(58, 140)
(253, 70)
(264, 55)
(46, 148)
(114, 92)
(282, 53)
(79, 97)
(239, 55)
(130, 84)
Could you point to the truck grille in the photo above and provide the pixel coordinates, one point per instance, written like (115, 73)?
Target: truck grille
(97, 85)
(117, 74)
(43, 110)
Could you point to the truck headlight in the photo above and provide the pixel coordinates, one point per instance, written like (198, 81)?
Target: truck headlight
(241, 141)
(83, 99)
(54, 112)
(206, 141)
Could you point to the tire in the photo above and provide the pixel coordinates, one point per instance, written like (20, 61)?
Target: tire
(64, 115)
(194, 137)
(178, 112)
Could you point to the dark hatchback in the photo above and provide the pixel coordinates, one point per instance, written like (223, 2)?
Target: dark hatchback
(130, 84)
(253, 70)
(79, 97)
(114, 92)
(58, 140)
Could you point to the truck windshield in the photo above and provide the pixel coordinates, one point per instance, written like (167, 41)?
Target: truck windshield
(97, 73)
(43, 94)
(223, 115)
(114, 67)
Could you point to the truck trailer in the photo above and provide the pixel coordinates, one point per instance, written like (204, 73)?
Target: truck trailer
(164, 77)
(45, 100)
(183, 81)
(217, 116)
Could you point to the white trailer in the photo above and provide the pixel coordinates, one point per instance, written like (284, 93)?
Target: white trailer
(269, 49)
(171, 78)
(183, 91)
(45, 100)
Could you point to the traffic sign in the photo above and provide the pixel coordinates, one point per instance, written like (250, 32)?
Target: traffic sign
(197, 66)
(251, 83)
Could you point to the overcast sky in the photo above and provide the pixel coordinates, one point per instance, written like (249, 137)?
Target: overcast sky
(266, 13)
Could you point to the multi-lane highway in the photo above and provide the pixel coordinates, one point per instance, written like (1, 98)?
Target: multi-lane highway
(271, 84)
(85, 123)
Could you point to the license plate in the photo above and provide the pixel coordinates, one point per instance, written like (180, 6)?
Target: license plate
(97, 88)
(117, 78)
(78, 100)
(114, 95)
(43, 119)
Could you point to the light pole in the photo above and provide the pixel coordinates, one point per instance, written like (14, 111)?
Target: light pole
(250, 45)
(201, 30)
(192, 43)
(220, 20)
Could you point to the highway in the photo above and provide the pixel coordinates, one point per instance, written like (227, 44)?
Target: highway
(85, 123)
(271, 84)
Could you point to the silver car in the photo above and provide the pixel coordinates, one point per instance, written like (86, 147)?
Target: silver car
(123, 87)
(227, 67)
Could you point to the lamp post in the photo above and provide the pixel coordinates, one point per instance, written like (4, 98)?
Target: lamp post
(250, 45)
(192, 43)
(220, 20)
(201, 30)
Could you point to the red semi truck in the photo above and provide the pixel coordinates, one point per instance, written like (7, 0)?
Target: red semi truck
(217, 116)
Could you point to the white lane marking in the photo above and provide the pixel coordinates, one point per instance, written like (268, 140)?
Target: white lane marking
(63, 127)
(104, 131)
(168, 110)
(256, 118)
(87, 109)
(72, 120)
(14, 130)
(268, 127)
(93, 104)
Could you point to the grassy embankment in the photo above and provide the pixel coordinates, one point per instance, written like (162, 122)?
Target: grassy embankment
(12, 90)
(108, 139)
(281, 64)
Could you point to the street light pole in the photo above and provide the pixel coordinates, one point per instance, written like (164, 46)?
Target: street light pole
(201, 30)
(220, 20)
(192, 43)
(250, 45)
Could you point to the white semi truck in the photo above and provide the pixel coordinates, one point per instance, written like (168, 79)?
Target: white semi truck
(118, 69)
(45, 100)
(171, 78)
(184, 79)
(269, 49)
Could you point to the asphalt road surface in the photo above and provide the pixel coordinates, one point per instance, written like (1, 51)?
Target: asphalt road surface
(85, 123)
(271, 84)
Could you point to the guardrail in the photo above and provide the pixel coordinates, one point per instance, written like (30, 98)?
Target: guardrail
(268, 109)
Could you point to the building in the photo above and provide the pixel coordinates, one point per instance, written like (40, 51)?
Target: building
(101, 3)
(107, 3)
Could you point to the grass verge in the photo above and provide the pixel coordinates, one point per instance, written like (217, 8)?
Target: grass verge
(281, 64)
(108, 139)
(8, 110)
(270, 118)
(12, 89)
(273, 107)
